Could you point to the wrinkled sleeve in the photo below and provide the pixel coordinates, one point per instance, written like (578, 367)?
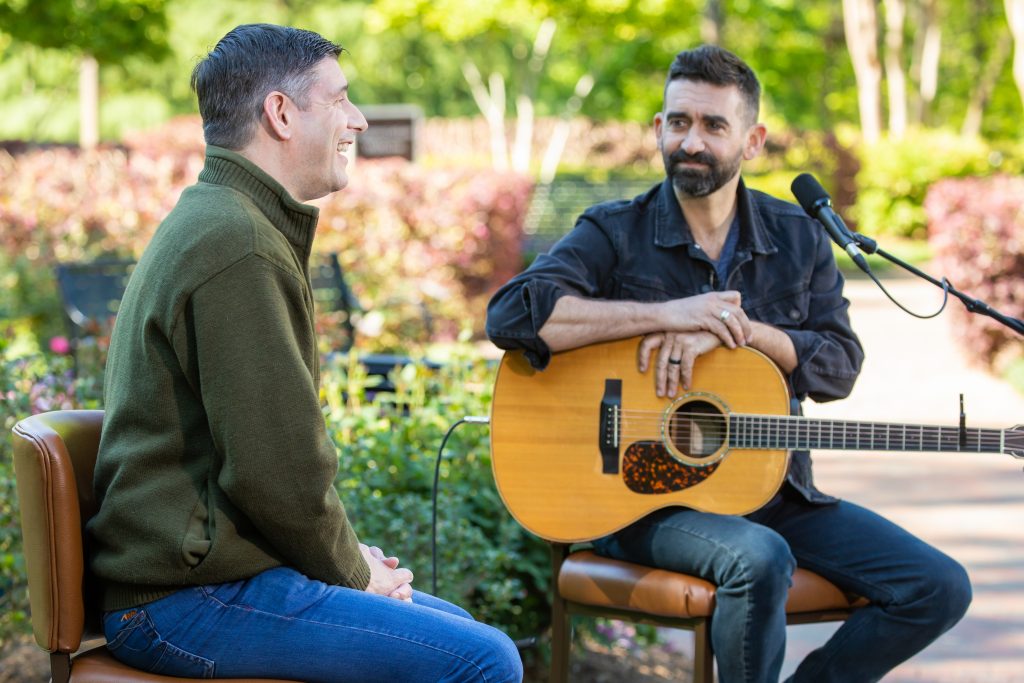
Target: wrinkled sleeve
(829, 355)
(278, 463)
(579, 264)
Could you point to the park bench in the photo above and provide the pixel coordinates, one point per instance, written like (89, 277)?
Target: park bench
(91, 293)
(555, 206)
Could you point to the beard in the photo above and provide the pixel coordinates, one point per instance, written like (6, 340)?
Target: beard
(695, 182)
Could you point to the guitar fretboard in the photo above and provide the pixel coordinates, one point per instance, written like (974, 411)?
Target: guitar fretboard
(781, 432)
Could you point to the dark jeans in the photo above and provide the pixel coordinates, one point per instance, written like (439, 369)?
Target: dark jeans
(916, 592)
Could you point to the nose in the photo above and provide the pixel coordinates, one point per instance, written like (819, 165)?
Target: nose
(356, 120)
(692, 142)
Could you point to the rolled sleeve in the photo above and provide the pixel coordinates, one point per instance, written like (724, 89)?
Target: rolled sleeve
(576, 265)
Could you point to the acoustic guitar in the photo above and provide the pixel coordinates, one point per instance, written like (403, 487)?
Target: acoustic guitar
(586, 447)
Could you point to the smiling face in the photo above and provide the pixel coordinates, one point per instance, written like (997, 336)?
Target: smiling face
(324, 131)
(704, 134)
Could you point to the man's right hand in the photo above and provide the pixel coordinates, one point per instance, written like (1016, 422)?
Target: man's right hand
(716, 312)
(386, 577)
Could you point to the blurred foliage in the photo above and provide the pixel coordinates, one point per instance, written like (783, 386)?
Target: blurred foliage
(414, 51)
(109, 30)
(895, 176)
(422, 249)
(976, 230)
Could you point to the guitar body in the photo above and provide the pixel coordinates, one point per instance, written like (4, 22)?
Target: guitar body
(586, 447)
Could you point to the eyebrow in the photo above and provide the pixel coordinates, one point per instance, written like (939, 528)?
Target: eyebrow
(713, 118)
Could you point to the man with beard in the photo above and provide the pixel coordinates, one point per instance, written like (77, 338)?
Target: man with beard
(701, 261)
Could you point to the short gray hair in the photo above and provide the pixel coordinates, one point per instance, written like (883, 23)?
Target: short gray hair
(247, 64)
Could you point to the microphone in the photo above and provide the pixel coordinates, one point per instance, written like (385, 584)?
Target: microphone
(818, 205)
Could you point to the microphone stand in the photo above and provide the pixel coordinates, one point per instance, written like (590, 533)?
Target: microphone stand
(870, 246)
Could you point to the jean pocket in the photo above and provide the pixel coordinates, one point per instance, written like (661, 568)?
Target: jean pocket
(137, 643)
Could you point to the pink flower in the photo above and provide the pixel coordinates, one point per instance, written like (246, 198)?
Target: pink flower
(60, 345)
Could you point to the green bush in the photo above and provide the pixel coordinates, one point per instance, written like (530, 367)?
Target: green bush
(895, 177)
(387, 450)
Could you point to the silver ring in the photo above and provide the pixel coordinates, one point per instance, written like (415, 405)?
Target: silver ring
(675, 361)
(724, 315)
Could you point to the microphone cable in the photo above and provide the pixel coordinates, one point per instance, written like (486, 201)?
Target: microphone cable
(468, 419)
(945, 297)
(521, 643)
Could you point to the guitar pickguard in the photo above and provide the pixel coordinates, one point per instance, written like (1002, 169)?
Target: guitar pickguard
(648, 467)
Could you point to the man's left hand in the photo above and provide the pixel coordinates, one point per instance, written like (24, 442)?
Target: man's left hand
(677, 351)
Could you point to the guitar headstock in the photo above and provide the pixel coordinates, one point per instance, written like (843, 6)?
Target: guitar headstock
(1015, 441)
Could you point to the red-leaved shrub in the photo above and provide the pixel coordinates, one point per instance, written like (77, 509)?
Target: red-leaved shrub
(422, 248)
(976, 231)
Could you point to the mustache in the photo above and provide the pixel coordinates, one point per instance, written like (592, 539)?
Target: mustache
(679, 156)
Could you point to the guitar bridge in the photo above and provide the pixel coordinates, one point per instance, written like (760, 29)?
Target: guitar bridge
(610, 426)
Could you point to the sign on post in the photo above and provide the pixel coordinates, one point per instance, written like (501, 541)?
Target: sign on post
(393, 131)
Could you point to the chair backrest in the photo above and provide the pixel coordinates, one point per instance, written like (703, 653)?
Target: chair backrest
(54, 458)
(91, 293)
(331, 294)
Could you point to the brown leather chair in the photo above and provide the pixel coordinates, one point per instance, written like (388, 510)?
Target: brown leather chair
(54, 456)
(590, 585)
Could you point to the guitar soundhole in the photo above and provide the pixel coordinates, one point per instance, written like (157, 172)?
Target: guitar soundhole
(697, 429)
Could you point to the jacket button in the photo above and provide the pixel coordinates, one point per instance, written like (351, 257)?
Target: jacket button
(794, 314)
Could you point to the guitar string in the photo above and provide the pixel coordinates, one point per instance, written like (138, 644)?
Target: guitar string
(799, 428)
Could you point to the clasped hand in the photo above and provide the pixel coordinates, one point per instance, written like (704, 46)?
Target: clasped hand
(694, 326)
(386, 577)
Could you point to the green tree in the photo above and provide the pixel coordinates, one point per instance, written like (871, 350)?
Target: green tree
(100, 31)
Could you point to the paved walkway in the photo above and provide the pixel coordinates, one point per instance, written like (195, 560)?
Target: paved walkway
(971, 506)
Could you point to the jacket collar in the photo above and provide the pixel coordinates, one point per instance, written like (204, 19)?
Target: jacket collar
(671, 230)
(295, 220)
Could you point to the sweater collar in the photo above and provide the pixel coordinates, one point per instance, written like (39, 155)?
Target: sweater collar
(295, 220)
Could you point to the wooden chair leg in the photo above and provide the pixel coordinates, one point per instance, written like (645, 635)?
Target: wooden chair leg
(703, 655)
(60, 667)
(561, 635)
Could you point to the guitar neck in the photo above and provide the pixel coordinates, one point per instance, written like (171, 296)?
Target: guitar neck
(799, 433)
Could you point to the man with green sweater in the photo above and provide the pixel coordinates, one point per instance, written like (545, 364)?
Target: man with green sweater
(221, 544)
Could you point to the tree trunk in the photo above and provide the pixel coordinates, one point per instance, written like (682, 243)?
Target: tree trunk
(924, 63)
(522, 147)
(88, 102)
(986, 83)
(860, 24)
(895, 15)
(491, 102)
(556, 145)
(1015, 17)
(712, 23)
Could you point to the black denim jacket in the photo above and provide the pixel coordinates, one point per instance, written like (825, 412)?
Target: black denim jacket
(642, 250)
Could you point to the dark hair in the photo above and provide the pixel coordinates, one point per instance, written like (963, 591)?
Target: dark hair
(717, 66)
(251, 61)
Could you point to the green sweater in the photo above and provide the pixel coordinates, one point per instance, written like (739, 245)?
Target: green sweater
(215, 463)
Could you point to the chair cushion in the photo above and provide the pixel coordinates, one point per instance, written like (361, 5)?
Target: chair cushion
(98, 666)
(590, 579)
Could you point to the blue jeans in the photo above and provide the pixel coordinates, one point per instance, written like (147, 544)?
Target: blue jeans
(916, 592)
(280, 624)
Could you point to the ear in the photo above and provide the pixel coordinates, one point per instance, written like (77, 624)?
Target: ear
(756, 136)
(278, 114)
(659, 123)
